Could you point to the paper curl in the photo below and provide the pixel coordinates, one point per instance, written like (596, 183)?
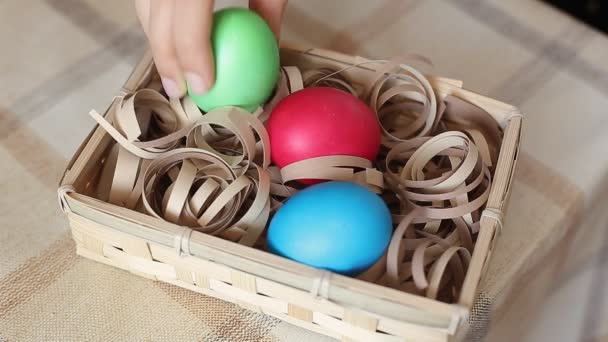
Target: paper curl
(205, 194)
(443, 183)
(121, 170)
(148, 121)
(222, 130)
(329, 78)
(338, 168)
(404, 100)
(290, 80)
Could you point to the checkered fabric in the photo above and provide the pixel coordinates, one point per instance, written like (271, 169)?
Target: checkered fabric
(548, 276)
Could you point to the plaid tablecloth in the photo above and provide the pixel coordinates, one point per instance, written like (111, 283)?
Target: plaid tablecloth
(547, 280)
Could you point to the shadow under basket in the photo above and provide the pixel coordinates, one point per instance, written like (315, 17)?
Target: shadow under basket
(350, 309)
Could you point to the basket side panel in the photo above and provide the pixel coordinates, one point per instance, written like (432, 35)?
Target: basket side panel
(157, 262)
(489, 228)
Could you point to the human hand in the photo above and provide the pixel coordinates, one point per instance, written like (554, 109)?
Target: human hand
(179, 34)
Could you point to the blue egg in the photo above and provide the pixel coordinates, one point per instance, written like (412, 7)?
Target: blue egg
(339, 226)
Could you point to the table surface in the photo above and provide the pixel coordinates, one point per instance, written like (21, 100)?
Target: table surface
(593, 12)
(547, 278)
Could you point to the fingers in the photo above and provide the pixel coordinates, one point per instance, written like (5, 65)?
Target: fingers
(191, 34)
(163, 48)
(179, 33)
(271, 11)
(142, 8)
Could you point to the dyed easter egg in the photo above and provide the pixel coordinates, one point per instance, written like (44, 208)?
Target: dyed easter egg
(339, 226)
(246, 58)
(322, 121)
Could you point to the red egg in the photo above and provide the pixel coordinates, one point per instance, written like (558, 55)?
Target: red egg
(321, 121)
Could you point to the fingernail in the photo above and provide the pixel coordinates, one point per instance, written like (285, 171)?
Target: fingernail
(196, 83)
(171, 87)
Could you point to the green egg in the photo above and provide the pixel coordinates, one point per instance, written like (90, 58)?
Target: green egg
(246, 58)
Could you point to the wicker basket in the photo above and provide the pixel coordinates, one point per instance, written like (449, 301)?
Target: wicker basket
(350, 309)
